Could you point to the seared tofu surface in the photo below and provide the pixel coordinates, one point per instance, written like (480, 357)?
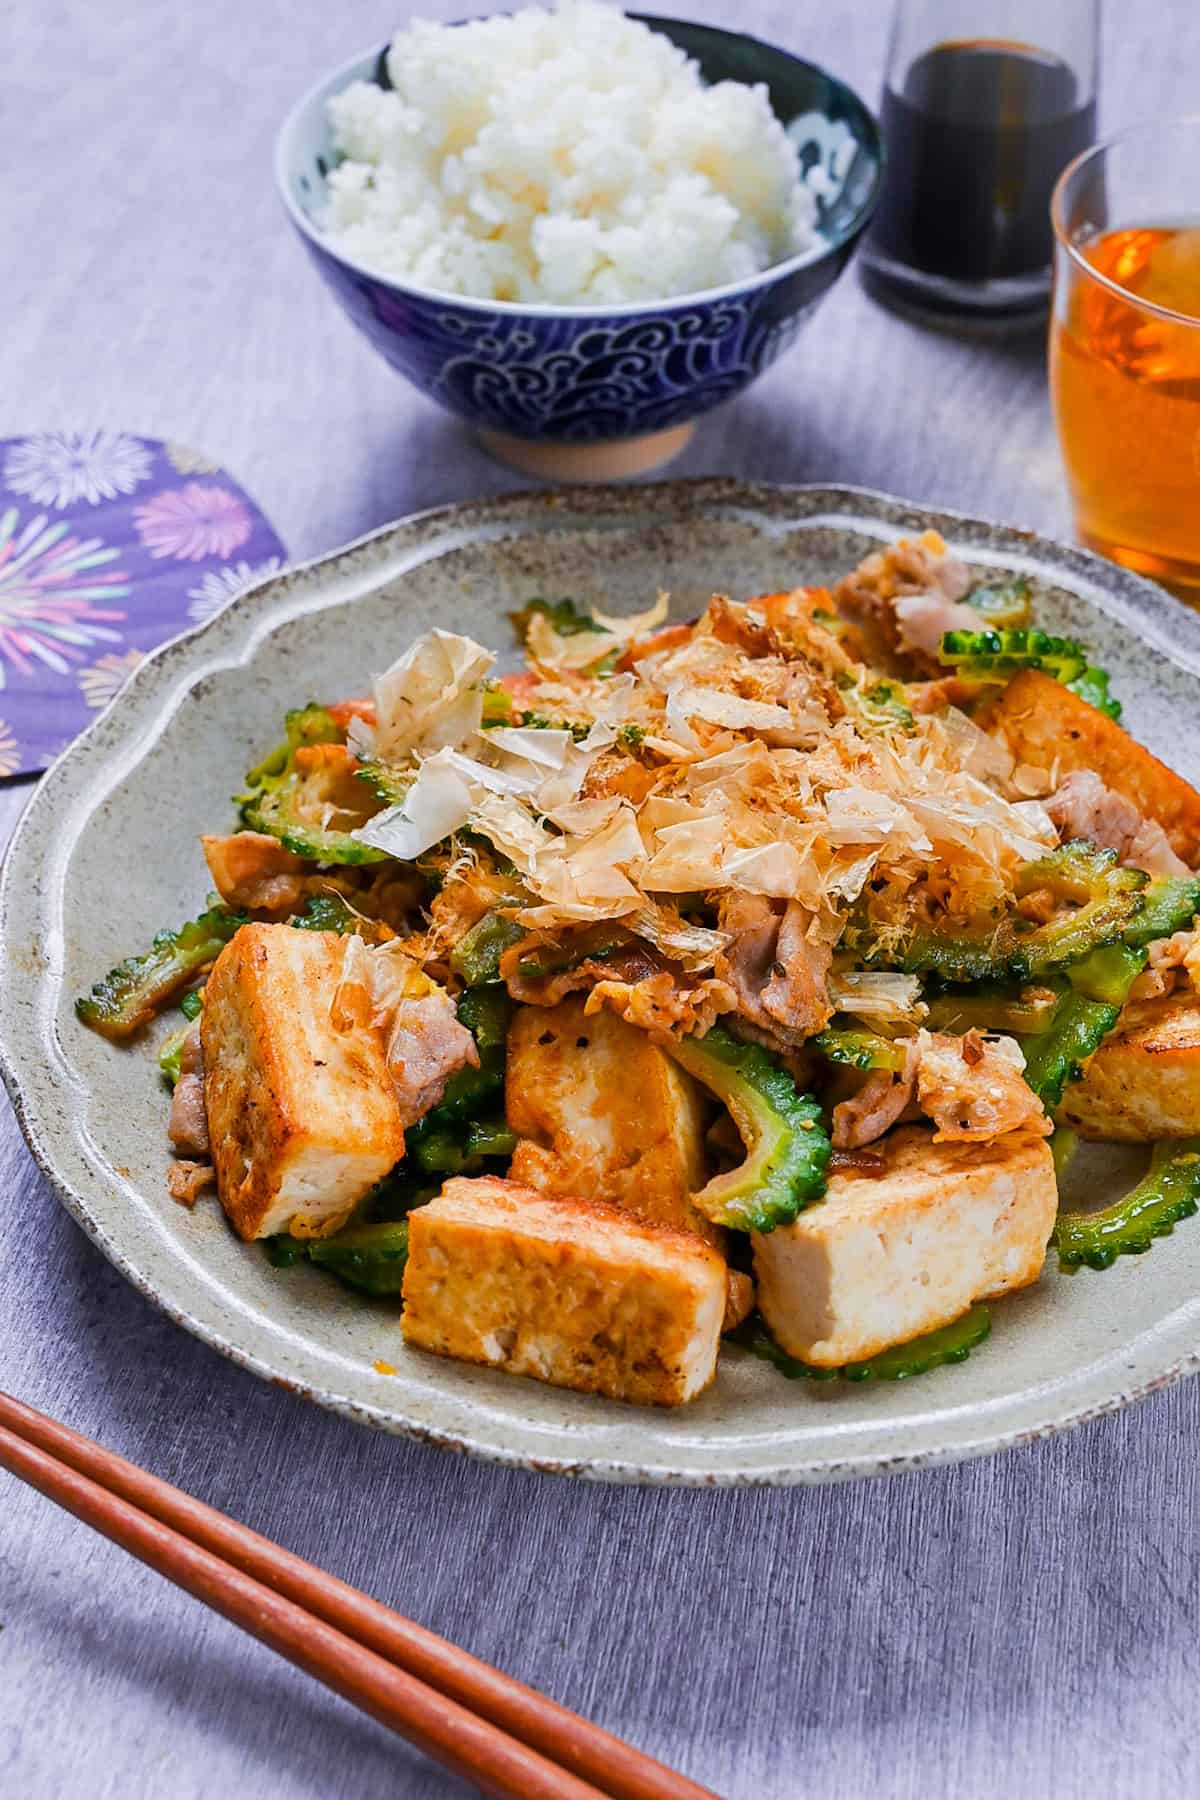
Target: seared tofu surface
(302, 1118)
(573, 1292)
(602, 1111)
(1144, 1081)
(1051, 728)
(884, 1258)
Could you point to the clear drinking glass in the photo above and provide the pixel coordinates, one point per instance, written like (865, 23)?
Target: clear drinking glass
(1125, 349)
(984, 104)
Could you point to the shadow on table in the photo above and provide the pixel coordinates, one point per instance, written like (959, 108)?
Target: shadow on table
(946, 419)
(270, 1714)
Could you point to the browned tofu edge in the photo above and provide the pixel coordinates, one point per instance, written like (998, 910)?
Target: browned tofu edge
(249, 1144)
(539, 1161)
(908, 1148)
(1143, 1083)
(1049, 727)
(434, 1322)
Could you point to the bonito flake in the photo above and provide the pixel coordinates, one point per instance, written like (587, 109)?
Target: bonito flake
(581, 649)
(724, 761)
(431, 696)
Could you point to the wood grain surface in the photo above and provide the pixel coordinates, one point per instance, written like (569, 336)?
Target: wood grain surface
(1024, 1625)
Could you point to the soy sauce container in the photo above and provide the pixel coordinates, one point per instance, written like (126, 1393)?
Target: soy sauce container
(984, 104)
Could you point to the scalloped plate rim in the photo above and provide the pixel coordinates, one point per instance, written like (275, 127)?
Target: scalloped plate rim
(29, 1049)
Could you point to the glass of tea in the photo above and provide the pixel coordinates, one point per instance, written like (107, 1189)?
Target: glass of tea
(1125, 349)
(984, 104)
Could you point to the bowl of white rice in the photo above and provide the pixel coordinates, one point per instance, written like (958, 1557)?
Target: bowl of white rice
(579, 230)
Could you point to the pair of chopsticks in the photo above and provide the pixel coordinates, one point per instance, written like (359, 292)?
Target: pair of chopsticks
(510, 1741)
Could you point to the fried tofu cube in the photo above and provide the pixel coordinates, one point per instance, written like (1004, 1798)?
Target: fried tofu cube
(1144, 1081)
(573, 1292)
(601, 1110)
(884, 1258)
(1051, 728)
(302, 1118)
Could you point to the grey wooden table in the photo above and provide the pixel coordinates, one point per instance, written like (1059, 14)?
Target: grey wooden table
(1022, 1625)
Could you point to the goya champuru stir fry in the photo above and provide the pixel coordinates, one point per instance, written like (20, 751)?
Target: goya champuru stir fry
(752, 974)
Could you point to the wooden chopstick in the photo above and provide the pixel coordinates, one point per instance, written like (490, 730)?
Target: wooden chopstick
(511, 1741)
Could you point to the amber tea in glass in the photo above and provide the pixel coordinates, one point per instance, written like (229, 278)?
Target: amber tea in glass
(1125, 349)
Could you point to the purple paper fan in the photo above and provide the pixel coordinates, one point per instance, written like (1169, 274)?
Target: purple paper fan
(109, 544)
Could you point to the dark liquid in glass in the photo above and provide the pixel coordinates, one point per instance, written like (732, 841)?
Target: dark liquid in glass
(975, 142)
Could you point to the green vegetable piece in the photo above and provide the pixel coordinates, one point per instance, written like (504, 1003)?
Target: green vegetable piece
(130, 995)
(274, 811)
(441, 1151)
(954, 956)
(497, 705)
(490, 1137)
(594, 944)
(564, 616)
(171, 1052)
(326, 912)
(543, 722)
(1063, 1145)
(1108, 898)
(458, 1146)
(886, 702)
(1100, 978)
(997, 655)
(370, 1258)
(486, 1016)
(192, 1005)
(1108, 973)
(304, 725)
(285, 1252)
(1101, 900)
(1003, 604)
(468, 1089)
(632, 736)
(1168, 1193)
(787, 1145)
(995, 671)
(395, 1196)
(438, 1141)
(278, 796)
(1060, 1054)
(1168, 906)
(856, 1048)
(951, 1343)
(988, 1007)
(465, 1092)
(880, 705)
(476, 956)
(312, 724)
(1079, 871)
(1092, 686)
(387, 784)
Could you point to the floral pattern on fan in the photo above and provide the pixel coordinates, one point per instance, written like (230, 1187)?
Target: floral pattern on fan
(219, 586)
(109, 544)
(57, 468)
(192, 522)
(102, 681)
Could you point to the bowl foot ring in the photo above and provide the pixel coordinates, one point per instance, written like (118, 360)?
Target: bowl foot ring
(614, 461)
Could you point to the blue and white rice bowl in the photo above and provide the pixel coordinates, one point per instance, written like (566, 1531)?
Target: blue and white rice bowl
(587, 392)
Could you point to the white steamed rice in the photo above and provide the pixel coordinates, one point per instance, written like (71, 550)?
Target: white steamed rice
(566, 157)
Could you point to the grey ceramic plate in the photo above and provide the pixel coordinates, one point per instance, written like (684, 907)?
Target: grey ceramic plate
(107, 852)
